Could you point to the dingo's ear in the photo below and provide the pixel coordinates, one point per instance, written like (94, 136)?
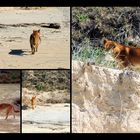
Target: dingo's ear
(33, 97)
(104, 41)
(39, 31)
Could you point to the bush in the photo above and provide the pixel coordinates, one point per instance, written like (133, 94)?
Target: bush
(46, 80)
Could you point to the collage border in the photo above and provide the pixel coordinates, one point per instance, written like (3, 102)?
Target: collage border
(67, 3)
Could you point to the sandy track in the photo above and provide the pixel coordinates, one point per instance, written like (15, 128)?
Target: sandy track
(10, 125)
(54, 51)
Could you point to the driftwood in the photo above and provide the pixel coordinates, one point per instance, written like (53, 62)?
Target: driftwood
(52, 25)
(43, 25)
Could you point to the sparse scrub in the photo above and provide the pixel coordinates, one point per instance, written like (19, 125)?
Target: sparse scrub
(45, 80)
(96, 55)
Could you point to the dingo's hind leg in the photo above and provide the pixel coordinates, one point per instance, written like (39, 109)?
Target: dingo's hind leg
(7, 113)
(10, 110)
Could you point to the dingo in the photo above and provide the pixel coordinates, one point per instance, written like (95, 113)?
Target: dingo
(127, 55)
(9, 109)
(33, 102)
(35, 40)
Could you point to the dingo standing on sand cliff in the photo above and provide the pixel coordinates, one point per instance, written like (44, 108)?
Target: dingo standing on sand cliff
(33, 102)
(9, 109)
(35, 40)
(127, 55)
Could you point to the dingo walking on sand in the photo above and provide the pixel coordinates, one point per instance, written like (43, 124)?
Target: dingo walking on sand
(9, 109)
(35, 40)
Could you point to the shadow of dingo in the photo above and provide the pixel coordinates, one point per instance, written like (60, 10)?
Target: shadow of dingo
(19, 52)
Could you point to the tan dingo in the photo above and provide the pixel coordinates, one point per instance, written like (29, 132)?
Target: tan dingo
(33, 102)
(35, 40)
(127, 55)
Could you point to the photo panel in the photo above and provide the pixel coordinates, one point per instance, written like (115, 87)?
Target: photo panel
(35, 37)
(45, 101)
(10, 101)
(105, 69)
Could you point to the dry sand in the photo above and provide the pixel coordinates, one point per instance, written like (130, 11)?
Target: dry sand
(15, 28)
(50, 118)
(10, 125)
